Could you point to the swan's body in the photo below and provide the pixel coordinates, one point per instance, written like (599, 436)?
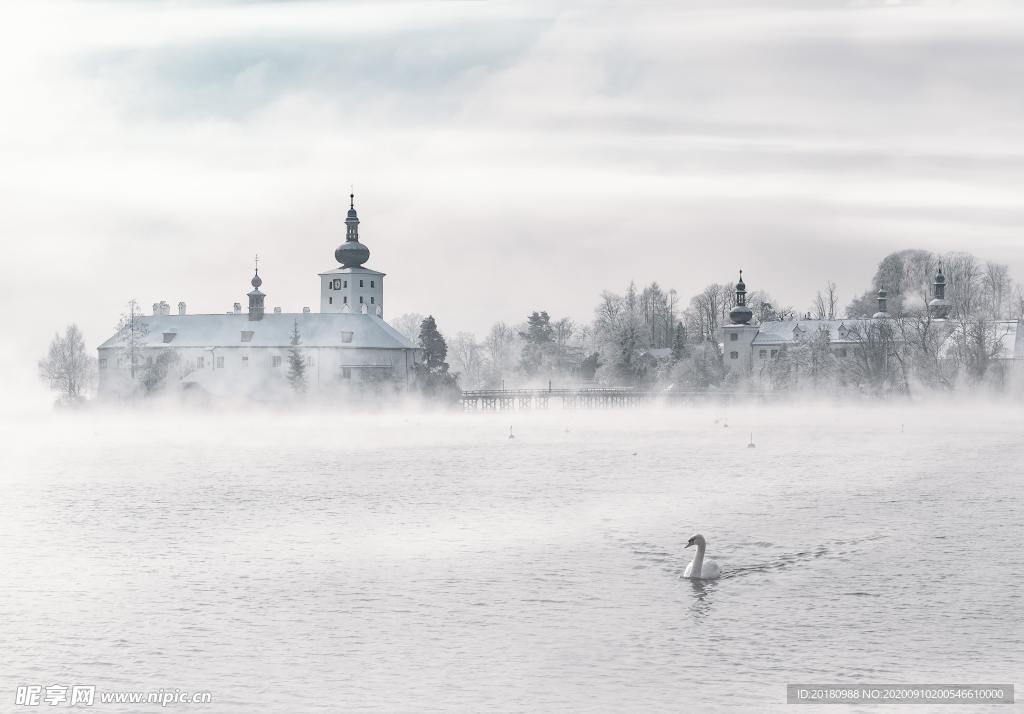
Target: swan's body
(699, 568)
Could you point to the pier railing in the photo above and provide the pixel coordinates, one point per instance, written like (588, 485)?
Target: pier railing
(583, 398)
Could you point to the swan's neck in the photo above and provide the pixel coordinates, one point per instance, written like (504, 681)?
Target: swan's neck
(698, 561)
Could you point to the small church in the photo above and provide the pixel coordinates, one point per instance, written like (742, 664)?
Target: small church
(245, 353)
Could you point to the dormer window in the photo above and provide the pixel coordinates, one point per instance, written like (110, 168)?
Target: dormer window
(247, 335)
(169, 337)
(346, 336)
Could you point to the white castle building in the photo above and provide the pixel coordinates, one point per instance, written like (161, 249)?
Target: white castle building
(238, 353)
(748, 350)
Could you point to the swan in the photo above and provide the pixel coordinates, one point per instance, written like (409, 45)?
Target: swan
(700, 569)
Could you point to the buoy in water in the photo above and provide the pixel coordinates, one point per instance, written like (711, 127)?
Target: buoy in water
(751, 445)
(510, 434)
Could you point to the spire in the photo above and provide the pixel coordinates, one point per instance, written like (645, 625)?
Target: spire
(939, 305)
(352, 220)
(741, 314)
(256, 296)
(352, 253)
(257, 280)
(883, 304)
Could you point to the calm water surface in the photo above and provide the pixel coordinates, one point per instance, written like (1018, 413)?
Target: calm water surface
(332, 562)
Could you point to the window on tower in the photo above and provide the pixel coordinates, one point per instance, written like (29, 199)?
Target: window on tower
(360, 299)
(733, 336)
(330, 300)
(373, 300)
(360, 283)
(346, 283)
(344, 299)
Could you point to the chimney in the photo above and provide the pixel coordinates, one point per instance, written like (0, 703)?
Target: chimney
(181, 308)
(305, 310)
(882, 300)
(237, 308)
(156, 308)
(277, 310)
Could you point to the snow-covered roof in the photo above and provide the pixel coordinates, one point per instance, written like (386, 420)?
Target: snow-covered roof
(316, 329)
(780, 332)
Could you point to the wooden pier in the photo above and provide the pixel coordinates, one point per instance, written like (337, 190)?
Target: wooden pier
(497, 400)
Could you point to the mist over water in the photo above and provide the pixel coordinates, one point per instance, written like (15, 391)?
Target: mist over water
(410, 561)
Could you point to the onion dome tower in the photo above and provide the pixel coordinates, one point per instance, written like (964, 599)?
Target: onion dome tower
(741, 314)
(939, 306)
(352, 253)
(256, 297)
(883, 304)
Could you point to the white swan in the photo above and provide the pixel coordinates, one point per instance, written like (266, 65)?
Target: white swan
(699, 568)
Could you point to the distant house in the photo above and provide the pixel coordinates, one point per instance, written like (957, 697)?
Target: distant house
(241, 353)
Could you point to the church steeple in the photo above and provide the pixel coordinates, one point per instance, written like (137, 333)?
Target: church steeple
(740, 313)
(352, 220)
(352, 253)
(256, 297)
(939, 305)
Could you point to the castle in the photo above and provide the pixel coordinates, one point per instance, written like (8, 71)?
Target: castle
(749, 350)
(247, 352)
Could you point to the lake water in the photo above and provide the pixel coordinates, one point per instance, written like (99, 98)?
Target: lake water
(333, 562)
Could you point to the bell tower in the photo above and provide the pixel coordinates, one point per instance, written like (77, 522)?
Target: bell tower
(352, 288)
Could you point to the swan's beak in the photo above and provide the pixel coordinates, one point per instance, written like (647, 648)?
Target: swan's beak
(689, 544)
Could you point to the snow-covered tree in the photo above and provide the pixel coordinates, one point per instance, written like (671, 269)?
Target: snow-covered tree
(296, 361)
(68, 368)
(432, 372)
(130, 339)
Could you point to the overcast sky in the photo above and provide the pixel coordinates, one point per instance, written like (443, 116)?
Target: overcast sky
(506, 155)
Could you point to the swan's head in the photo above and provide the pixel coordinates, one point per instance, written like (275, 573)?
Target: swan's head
(696, 540)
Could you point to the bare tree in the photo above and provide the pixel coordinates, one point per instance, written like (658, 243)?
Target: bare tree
(68, 368)
(130, 339)
(498, 351)
(825, 302)
(997, 289)
(409, 326)
(467, 358)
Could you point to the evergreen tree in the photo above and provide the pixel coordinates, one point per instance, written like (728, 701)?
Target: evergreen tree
(432, 371)
(679, 343)
(296, 362)
(539, 343)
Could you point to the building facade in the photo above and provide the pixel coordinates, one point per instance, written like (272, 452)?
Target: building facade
(245, 353)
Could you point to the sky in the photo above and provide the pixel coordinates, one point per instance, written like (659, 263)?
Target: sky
(507, 156)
